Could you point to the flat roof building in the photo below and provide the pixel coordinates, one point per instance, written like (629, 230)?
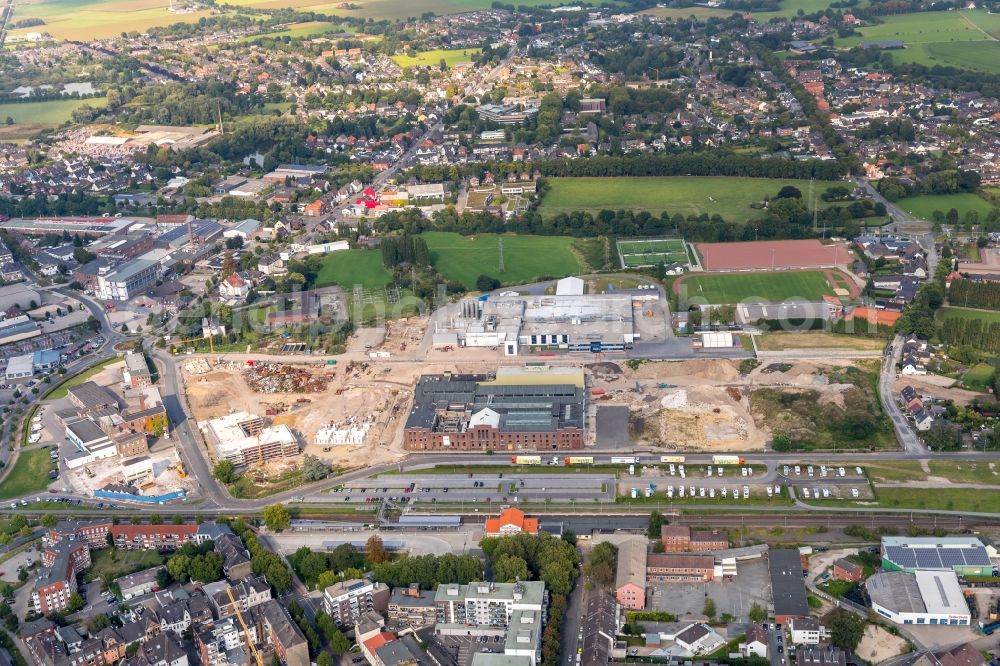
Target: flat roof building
(244, 439)
(476, 413)
(966, 556)
(128, 280)
(924, 597)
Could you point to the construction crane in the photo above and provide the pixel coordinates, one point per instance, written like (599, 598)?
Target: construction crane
(243, 624)
(211, 343)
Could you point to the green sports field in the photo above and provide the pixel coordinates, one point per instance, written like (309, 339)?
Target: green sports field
(960, 39)
(97, 19)
(354, 267)
(425, 58)
(988, 316)
(757, 287)
(525, 258)
(923, 206)
(637, 253)
(687, 195)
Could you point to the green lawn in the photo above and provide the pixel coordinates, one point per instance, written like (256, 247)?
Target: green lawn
(98, 19)
(425, 58)
(967, 471)
(383, 9)
(988, 317)
(950, 499)
(30, 475)
(978, 376)
(923, 206)
(48, 113)
(354, 267)
(61, 390)
(110, 563)
(757, 287)
(525, 258)
(959, 39)
(687, 195)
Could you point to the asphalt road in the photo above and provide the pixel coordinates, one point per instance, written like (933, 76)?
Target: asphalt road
(905, 434)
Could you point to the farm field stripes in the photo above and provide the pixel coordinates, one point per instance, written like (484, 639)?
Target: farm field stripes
(961, 39)
(98, 19)
(755, 287)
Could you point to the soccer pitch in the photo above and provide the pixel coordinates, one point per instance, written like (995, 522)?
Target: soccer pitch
(638, 253)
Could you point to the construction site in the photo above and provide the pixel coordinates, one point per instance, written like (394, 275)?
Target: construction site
(708, 405)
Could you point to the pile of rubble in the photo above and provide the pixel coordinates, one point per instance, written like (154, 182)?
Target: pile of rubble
(281, 378)
(198, 366)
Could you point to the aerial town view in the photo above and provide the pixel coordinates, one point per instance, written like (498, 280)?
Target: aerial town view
(489, 333)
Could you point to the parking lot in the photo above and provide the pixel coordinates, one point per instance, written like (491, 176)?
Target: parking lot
(461, 649)
(826, 482)
(687, 600)
(493, 487)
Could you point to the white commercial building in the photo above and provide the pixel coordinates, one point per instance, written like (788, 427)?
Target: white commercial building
(19, 367)
(128, 280)
(923, 597)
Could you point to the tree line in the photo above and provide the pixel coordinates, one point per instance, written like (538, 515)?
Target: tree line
(405, 249)
(975, 332)
(971, 294)
(715, 163)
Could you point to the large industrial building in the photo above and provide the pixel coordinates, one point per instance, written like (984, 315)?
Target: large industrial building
(966, 556)
(924, 597)
(534, 408)
(568, 321)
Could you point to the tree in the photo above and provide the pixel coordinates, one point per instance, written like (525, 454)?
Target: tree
(277, 518)
(375, 550)
(846, 630)
(339, 644)
(82, 256)
(10, 120)
(324, 659)
(74, 603)
(709, 608)
(656, 523)
(224, 471)
(757, 613)
(179, 566)
(487, 283)
(163, 579)
(314, 469)
(49, 520)
(510, 569)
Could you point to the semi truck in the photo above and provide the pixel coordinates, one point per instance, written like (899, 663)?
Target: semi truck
(728, 460)
(624, 460)
(526, 460)
(579, 460)
(672, 459)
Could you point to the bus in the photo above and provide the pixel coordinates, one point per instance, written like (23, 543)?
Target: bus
(728, 460)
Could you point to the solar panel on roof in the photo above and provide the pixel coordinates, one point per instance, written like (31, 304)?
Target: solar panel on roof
(951, 557)
(976, 556)
(927, 558)
(904, 557)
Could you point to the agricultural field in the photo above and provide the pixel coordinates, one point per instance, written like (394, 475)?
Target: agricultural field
(923, 206)
(687, 195)
(354, 267)
(757, 287)
(988, 316)
(426, 58)
(34, 116)
(381, 9)
(305, 29)
(786, 340)
(635, 253)
(525, 258)
(959, 39)
(97, 19)
(789, 8)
